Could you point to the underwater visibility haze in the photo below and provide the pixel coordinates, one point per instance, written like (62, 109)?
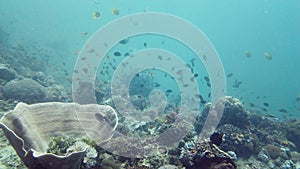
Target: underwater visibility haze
(150, 84)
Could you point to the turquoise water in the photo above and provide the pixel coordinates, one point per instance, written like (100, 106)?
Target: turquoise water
(63, 27)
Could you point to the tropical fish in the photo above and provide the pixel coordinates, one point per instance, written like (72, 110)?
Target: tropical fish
(298, 98)
(251, 105)
(160, 57)
(204, 57)
(282, 110)
(192, 61)
(236, 83)
(229, 75)
(201, 98)
(169, 91)
(117, 53)
(115, 11)
(270, 115)
(206, 78)
(96, 15)
(247, 54)
(268, 56)
(124, 41)
(157, 84)
(266, 104)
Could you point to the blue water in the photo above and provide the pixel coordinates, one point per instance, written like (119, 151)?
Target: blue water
(232, 26)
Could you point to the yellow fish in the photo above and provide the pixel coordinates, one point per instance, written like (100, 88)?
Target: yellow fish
(115, 11)
(96, 15)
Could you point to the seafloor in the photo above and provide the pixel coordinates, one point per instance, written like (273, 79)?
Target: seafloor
(243, 138)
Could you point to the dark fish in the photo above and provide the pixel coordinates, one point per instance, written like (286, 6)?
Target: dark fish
(237, 84)
(247, 54)
(251, 105)
(209, 95)
(185, 85)
(66, 73)
(192, 61)
(264, 109)
(201, 98)
(179, 72)
(92, 51)
(298, 98)
(268, 56)
(208, 84)
(206, 78)
(124, 41)
(282, 110)
(156, 84)
(96, 14)
(196, 75)
(270, 115)
(229, 75)
(160, 57)
(204, 57)
(188, 65)
(142, 85)
(169, 91)
(266, 104)
(145, 44)
(117, 53)
(126, 54)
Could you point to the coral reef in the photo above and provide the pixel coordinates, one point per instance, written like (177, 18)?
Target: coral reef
(25, 90)
(7, 73)
(255, 145)
(293, 132)
(206, 155)
(26, 130)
